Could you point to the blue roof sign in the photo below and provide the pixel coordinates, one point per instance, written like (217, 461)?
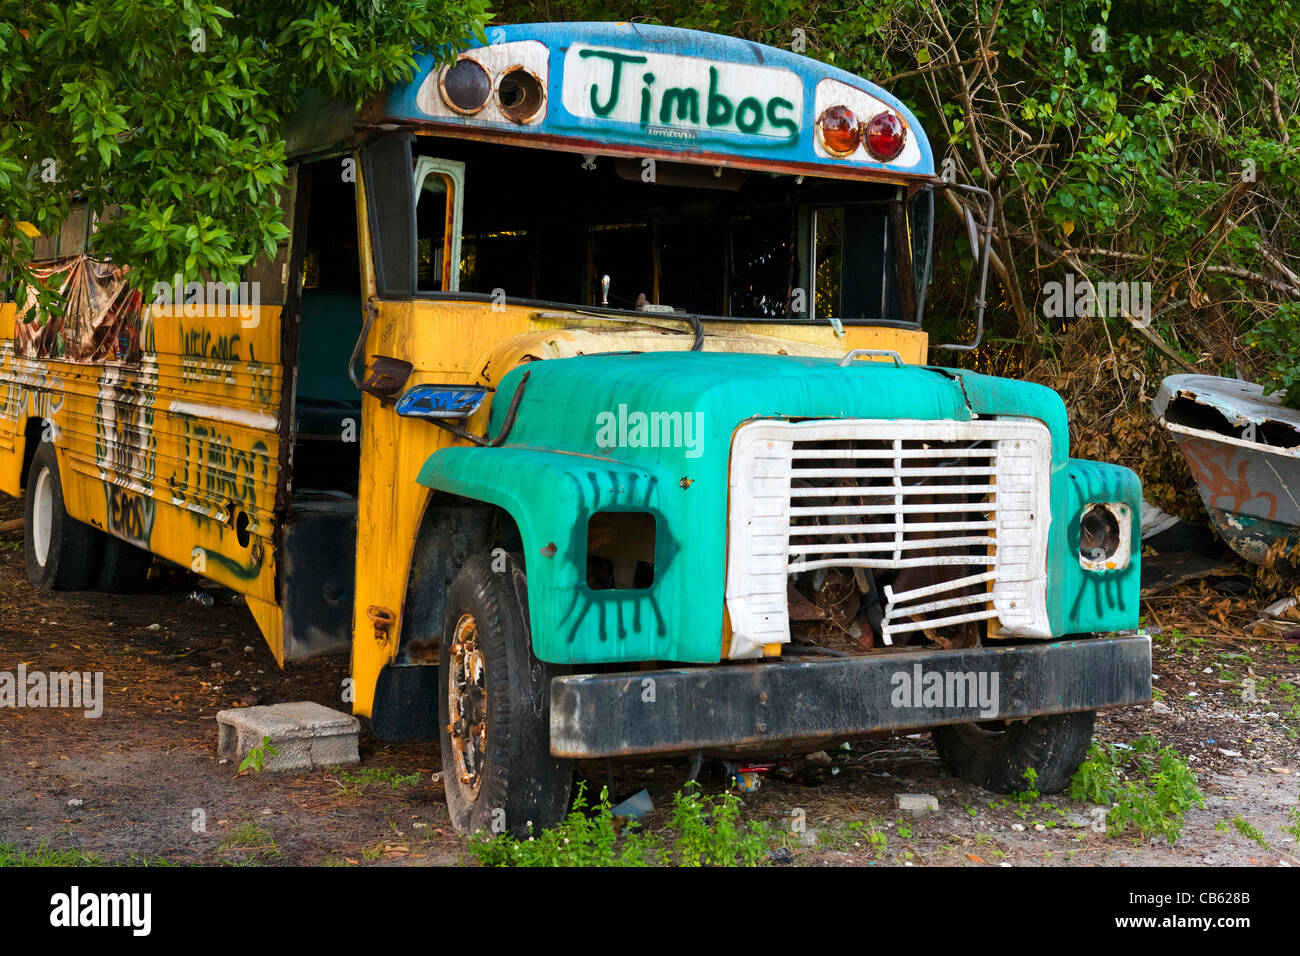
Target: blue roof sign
(642, 90)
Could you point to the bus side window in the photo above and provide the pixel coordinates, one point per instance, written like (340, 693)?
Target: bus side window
(438, 189)
(920, 225)
(271, 275)
(45, 248)
(70, 240)
(76, 229)
(853, 275)
(431, 234)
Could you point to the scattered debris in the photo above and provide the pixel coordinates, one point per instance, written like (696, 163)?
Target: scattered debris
(1163, 572)
(1243, 449)
(916, 802)
(634, 807)
(1284, 610)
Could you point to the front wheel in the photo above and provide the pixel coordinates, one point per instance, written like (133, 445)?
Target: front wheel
(996, 754)
(59, 549)
(494, 700)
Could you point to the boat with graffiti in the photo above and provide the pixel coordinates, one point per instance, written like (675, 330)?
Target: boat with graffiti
(1243, 448)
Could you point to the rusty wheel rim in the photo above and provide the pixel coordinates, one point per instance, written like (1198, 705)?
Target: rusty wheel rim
(467, 705)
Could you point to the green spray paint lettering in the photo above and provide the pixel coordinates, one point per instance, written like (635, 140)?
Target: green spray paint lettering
(617, 59)
(781, 122)
(749, 115)
(682, 103)
(648, 79)
(719, 106)
(686, 101)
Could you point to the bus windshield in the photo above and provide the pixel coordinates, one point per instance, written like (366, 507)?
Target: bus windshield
(639, 234)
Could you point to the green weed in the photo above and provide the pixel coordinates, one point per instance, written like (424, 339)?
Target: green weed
(1149, 787)
(1249, 831)
(256, 755)
(704, 831)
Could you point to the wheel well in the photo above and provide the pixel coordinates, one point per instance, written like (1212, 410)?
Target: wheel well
(31, 441)
(452, 530)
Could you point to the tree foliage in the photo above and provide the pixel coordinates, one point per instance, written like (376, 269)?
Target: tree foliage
(174, 111)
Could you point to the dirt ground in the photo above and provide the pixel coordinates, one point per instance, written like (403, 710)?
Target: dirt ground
(143, 781)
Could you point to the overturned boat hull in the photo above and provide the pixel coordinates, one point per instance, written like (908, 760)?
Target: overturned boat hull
(1243, 448)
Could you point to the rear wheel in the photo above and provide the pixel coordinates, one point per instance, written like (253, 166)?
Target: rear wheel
(123, 568)
(995, 754)
(59, 549)
(494, 709)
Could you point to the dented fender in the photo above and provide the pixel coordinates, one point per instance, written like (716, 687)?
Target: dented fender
(551, 496)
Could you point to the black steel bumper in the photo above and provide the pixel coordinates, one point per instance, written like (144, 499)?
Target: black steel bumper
(771, 704)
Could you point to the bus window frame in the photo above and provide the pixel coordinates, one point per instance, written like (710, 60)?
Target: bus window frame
(452, 175)
(886, 207)
(384, 154)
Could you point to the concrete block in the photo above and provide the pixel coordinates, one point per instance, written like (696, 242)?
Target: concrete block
(304, 734)
(915, 802)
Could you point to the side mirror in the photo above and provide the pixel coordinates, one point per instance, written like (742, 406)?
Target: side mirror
(442, 401)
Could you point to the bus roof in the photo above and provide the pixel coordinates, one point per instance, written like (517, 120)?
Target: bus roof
(640, 90)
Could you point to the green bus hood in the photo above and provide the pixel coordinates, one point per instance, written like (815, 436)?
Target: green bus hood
(585, 440)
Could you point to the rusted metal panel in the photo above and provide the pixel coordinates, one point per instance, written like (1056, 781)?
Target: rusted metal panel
(1243, 448)
(318, 558)
(784, 704)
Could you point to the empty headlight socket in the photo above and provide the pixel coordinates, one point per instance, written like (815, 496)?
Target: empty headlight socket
(1105, 536)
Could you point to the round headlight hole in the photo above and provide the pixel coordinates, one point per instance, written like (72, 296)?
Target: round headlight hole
(520, 94)
(465, 86)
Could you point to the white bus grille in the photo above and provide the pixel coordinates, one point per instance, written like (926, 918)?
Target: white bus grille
(968, 500)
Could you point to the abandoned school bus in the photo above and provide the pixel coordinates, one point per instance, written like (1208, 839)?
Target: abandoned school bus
(587, 407)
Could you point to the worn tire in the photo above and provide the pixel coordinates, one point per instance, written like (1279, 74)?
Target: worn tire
(996, 759)
(122, 567)
(514, 783)
(60, 550)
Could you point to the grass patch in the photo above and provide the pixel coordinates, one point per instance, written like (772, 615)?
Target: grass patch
(46, 855)
(353, 783)
(856, 834)
(248, 845)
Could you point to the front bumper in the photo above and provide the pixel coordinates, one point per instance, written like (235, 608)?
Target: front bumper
(772, 705)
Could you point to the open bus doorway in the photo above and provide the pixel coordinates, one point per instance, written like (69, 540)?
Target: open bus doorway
(327, 406)
(318, 556)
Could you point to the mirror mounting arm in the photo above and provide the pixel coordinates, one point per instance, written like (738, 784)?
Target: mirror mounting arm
(982, 239)
(387, 376)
